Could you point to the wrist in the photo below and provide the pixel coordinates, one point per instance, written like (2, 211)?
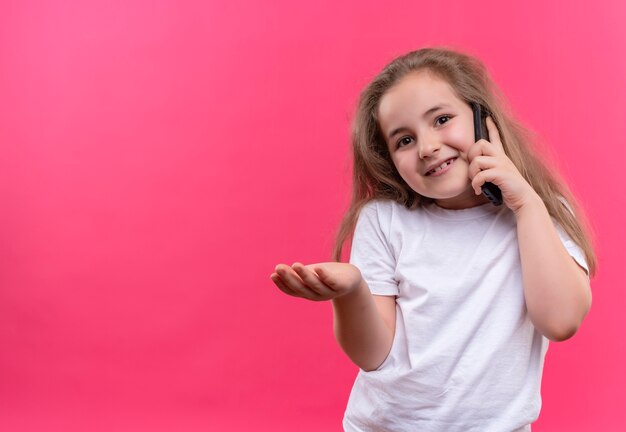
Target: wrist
(360, 289)
(532, 203)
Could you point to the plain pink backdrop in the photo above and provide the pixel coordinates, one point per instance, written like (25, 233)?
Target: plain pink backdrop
(159, 158)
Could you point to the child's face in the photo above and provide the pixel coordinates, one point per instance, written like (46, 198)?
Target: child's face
(423, 140)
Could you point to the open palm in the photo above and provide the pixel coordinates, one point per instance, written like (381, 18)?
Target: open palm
(317, 282)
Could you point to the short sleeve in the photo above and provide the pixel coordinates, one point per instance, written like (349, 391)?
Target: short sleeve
(371, 251)
(572, 248)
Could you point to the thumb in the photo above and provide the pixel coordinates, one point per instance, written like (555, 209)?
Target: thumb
(320, 272)
(325, 276)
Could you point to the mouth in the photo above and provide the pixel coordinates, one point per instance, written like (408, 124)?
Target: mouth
(441, 168)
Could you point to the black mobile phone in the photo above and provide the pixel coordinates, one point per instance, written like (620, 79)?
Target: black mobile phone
(489, 189)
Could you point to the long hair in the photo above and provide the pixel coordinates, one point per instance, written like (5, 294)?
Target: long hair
(374, 175)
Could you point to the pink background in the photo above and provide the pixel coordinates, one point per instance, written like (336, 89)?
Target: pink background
(159, 158)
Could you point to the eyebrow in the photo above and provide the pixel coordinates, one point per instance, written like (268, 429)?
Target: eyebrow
(426, 114)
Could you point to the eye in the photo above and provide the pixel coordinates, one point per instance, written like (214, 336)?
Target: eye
(446, 117)
(403, 141)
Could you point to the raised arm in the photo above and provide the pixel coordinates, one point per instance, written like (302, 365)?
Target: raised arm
(364, 324)
(556, 288)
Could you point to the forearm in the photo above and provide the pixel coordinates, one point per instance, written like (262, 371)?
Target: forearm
(360, 329)
(555, 288)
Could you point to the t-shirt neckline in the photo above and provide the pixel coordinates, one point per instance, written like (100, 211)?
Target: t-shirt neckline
(478, 211)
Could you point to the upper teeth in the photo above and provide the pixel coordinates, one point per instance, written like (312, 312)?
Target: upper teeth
(440, 167)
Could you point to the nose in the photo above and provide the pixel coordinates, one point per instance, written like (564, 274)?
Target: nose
(428, 146)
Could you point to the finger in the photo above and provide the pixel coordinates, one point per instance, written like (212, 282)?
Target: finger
(474, 151)
(481, 148)
(293, 281)
(324, 276)
(488, 148)
(281, 285)
(311, 280)
(494, 133)
(327, 277)
(481, 163)
(483, 177)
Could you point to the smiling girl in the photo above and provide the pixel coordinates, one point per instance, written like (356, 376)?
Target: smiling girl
(448, 303)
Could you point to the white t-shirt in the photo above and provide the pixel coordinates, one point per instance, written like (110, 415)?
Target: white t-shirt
(465, 355)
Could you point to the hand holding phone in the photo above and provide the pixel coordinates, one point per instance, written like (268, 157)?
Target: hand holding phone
(490, 190)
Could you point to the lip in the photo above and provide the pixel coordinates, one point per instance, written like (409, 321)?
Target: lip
(436, 164)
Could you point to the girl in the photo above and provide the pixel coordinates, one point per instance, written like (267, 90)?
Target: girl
(448, 302)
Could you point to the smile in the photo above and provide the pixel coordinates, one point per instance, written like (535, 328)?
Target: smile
(441, 169)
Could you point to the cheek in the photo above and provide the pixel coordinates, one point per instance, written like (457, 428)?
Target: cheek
(402, 164)
(461, 137)
(405, 164)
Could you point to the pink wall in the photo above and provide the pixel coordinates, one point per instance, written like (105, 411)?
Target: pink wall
(159, 158)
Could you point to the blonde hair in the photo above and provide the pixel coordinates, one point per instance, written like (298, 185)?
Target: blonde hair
(374, 175)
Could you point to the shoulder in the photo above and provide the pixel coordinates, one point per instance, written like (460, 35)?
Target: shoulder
(384, 212)
(392, 220)
(378, 215)
(383, 207)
